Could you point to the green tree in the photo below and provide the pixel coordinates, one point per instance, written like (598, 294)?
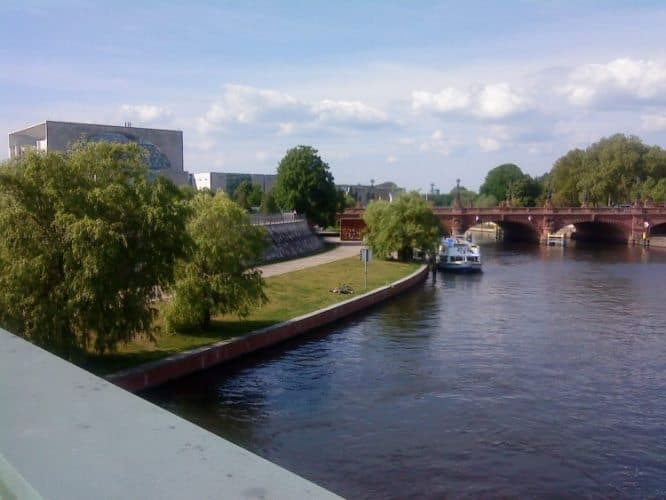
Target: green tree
(657, 191)
(467, 196)
(268, 204)
(219, 276)
(440, 200)
(344, 201)
(401, 226)
(248, 195)
(501, 181)
(86, 239)
(527, 192)
(616, 169)
(305, 184)
(485, 201)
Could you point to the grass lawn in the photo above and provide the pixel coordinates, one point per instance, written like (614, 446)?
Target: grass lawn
(290, 295)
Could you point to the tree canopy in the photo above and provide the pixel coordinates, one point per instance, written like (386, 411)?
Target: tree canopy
(616, 169)
(86, 239)
(401, 226)
(219, 275)
(500, 179)
(248, 195)
(305, 184)
(268, 204)
(467, 197)
(507, 182)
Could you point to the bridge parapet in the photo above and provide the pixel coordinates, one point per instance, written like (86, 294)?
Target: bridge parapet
(632, 223)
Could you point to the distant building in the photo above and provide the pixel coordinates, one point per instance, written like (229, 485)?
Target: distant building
(164, 147)
(363, 194)
(227, 181)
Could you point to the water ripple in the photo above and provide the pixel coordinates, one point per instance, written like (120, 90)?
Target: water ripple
(542, 377)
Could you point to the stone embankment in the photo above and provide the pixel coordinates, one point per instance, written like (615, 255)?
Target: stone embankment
(658, 241)
(291, 239)
(179, 365)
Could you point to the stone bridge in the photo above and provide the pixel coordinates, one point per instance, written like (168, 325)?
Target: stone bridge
(630, 225)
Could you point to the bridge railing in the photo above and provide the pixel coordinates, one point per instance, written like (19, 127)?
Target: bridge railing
(265, 219)
(357, 213)
(556, 210)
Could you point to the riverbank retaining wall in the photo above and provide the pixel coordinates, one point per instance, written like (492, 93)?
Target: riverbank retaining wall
(161, 371)
(288, 240)
(658, 241)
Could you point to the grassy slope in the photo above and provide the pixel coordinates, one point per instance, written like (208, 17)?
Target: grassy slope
(290, 295)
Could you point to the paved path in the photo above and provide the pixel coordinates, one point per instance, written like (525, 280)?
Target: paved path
(344, 250)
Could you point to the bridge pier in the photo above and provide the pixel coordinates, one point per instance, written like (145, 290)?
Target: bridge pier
(456, 227)
(640, 238)
(543, 239)
(640, 232)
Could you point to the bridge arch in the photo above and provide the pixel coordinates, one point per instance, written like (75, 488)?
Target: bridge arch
(658, 229)
(627, 225)
(514, 230)
(601, 231)
(519, 231)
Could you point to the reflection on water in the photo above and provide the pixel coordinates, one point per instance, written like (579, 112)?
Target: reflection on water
(544, 375)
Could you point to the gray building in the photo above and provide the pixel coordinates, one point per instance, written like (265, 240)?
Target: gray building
(364, 194)
(164, 147)
(227, 181)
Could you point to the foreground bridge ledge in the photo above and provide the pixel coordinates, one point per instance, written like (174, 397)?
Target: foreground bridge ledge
(67, 434)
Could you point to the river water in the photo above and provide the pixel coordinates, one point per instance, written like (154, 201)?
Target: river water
(543, 376)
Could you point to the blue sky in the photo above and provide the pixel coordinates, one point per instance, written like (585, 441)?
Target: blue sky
(411, 92)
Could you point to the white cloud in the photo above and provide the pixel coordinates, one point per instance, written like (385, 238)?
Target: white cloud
(391, 159)
(437, 135)
(144, 113)
(242, 104)
(635, 79)
(492, 101)
(494, 139)
(437, 143)
(202, 144)
(348, 112)
(489, 144)
(654, 122)
(447, 99)
(286, 128)
(498, 101)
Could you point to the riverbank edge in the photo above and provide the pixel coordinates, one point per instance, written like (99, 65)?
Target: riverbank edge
(185, 363)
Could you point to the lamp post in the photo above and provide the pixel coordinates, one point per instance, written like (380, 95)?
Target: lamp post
(457, 204)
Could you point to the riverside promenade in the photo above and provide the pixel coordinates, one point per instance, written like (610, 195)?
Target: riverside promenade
(178, 365)
(342, 251)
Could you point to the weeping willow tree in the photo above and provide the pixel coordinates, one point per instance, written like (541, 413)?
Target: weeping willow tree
(219, 273)
(401, 226)
(86, 239)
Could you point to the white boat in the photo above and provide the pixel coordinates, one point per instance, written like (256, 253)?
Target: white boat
(455, 253)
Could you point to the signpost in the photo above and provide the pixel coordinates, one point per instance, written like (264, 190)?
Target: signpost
(366, 256)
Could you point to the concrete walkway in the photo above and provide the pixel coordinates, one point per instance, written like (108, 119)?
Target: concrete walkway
(342, 251)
